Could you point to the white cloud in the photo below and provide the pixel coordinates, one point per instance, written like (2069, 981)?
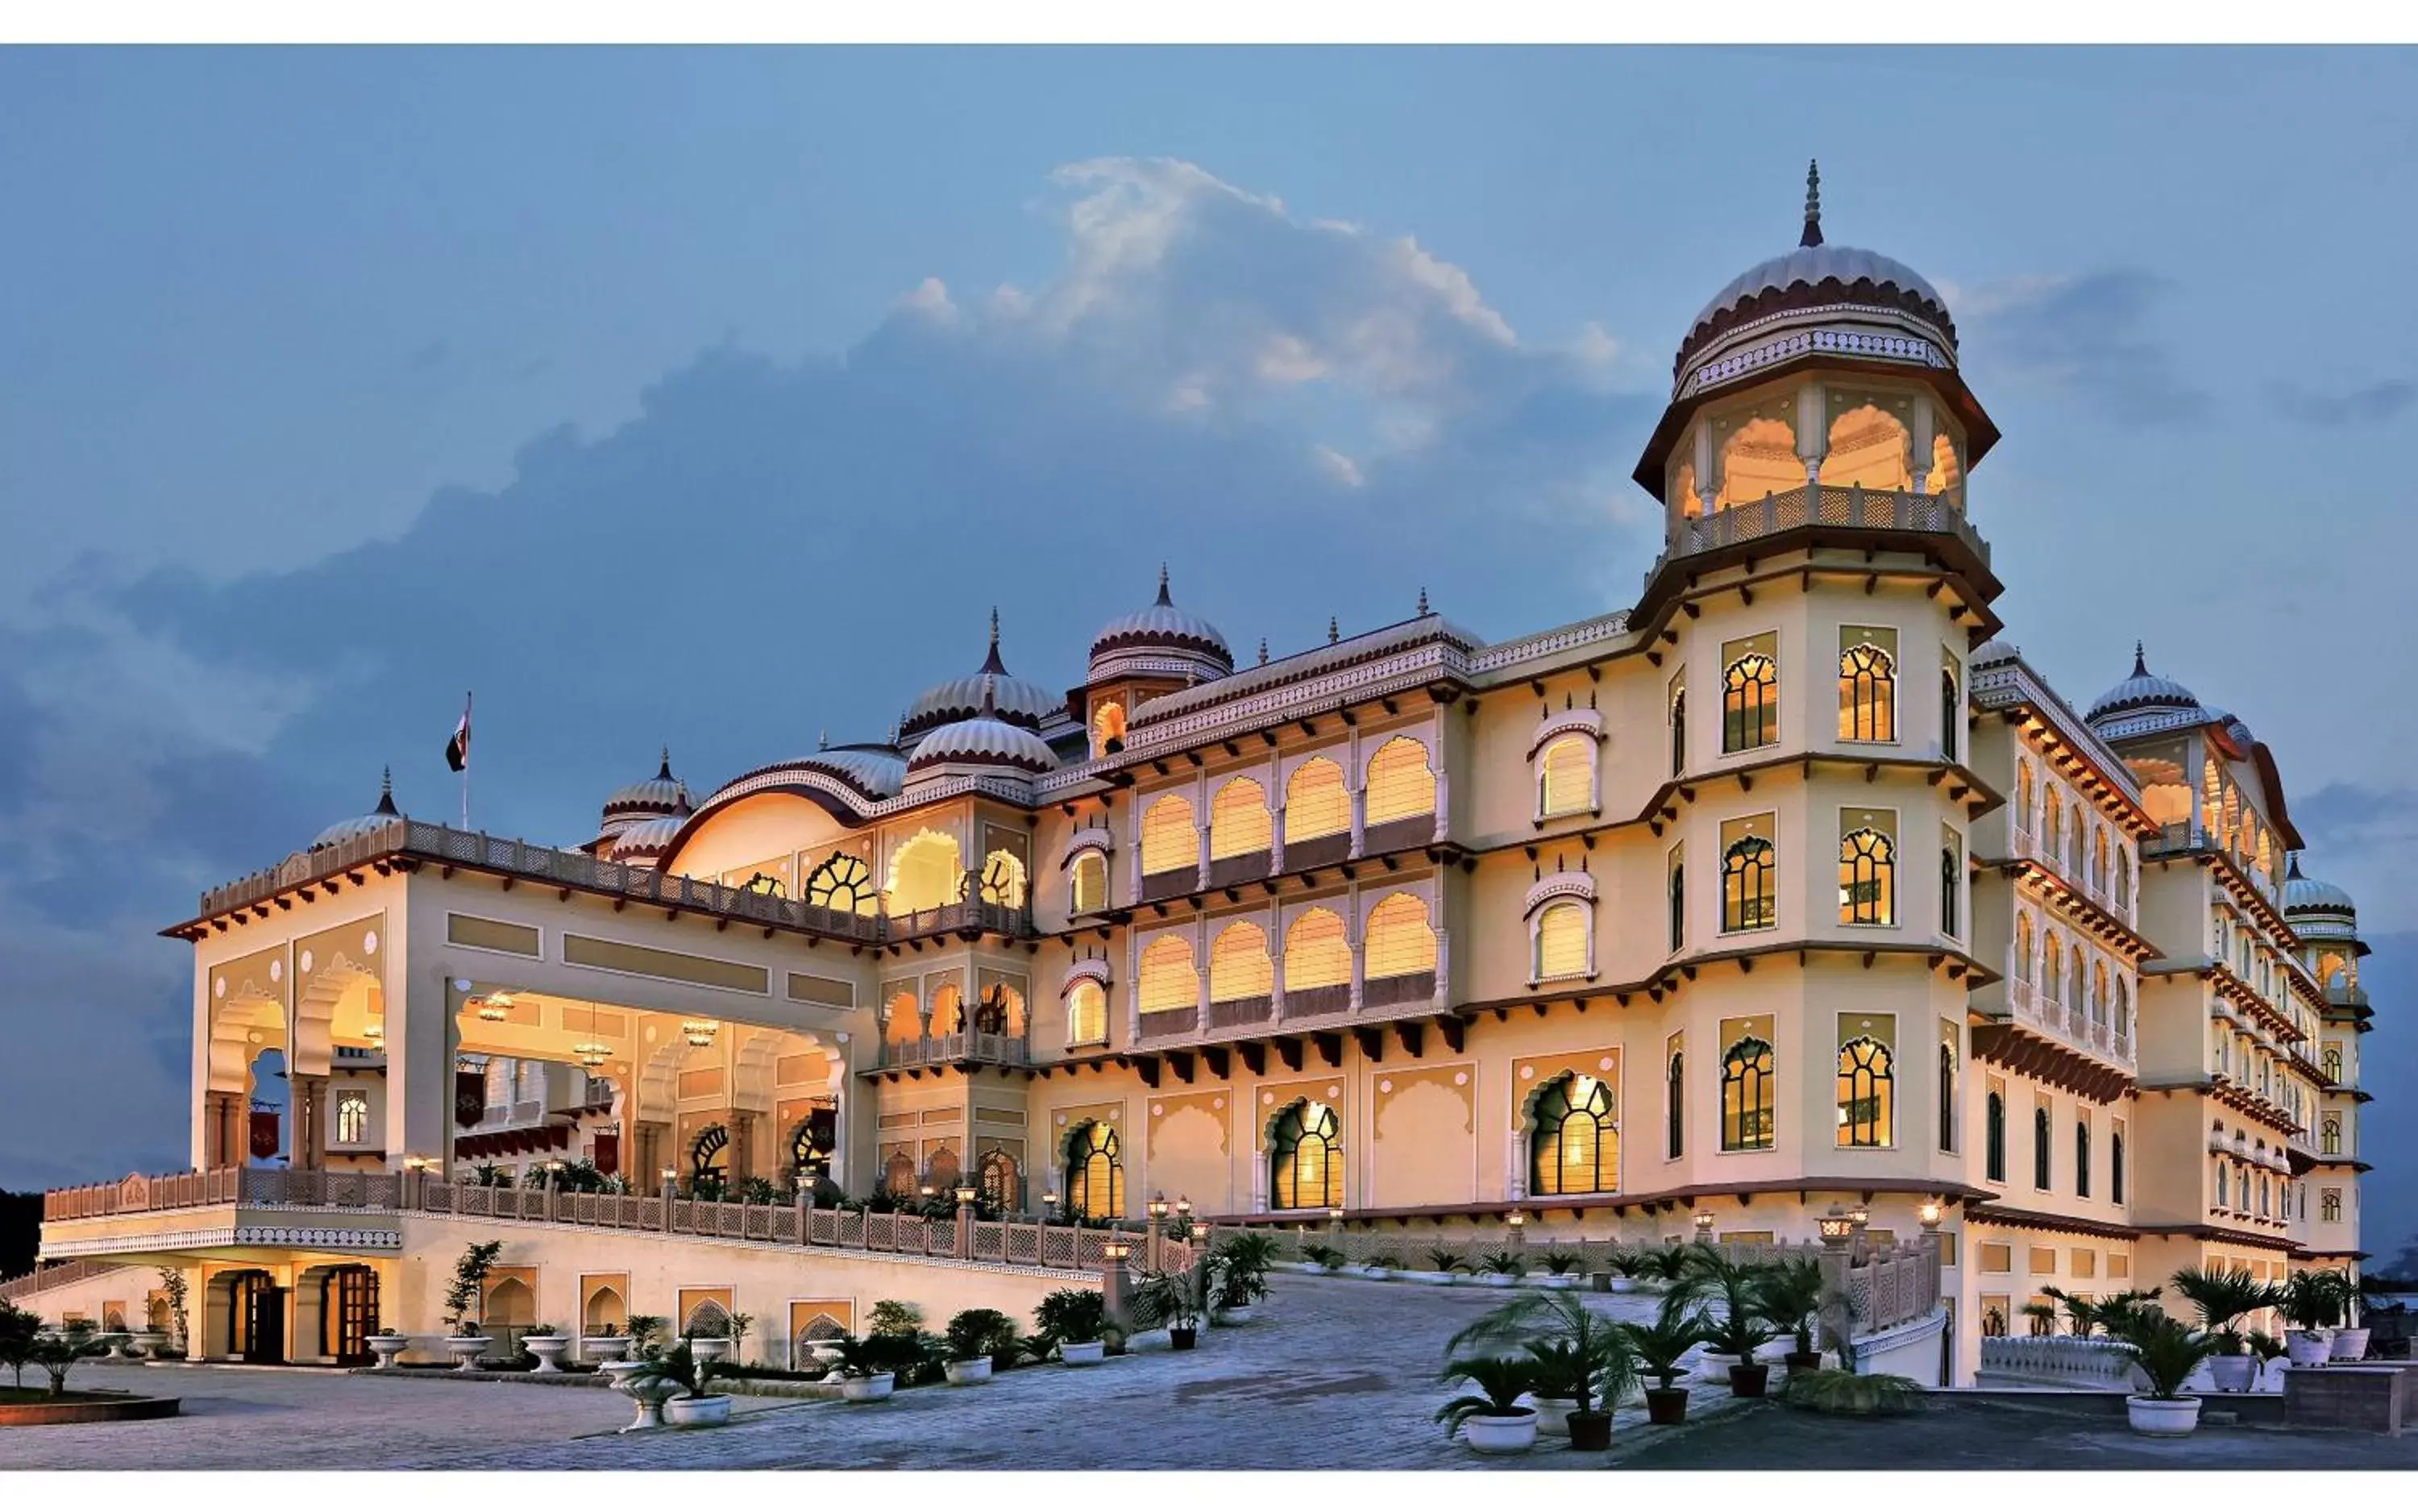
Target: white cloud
(1338, 467)
(930, 299)
(1594, 348)
(1287, 359)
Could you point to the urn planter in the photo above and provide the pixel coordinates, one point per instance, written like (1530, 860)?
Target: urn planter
(868, 1389)
(1509, 1433)
(1179, 1339)
(707, 1349)
(1553, 1415)
(465, 1349)
(388, 1347)
(635, 1379)
(147, 1342)
(2305, 1347)
(548, 1349)
(1230, 1317)
(2231, 1372)
(2349, 1344)
(116, 1343)
(1091, 1353)
(968, 1373)
(1624, 1285)
(1498, 1278)
(2159, 1419)
(697, 1411)
(603, 1348)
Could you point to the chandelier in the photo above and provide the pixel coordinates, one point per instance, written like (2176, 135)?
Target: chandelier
(700, 1032)
(495, 1007)
(591, 1054)
(376, 1032)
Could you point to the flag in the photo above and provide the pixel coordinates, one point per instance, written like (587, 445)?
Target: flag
(458, 750)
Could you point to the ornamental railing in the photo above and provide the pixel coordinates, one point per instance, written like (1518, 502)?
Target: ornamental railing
(66, 1272)
(2057, 1360)
(1865, 508)
(951, 1049)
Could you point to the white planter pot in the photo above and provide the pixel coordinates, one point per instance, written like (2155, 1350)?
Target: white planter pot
(697, 1411)
(631, 1379)
(1230, 1317)
(1430, 1278)
(968, 1373)
(1376, 1273)
(2231, 1372)
(1711, 1366)
(465, 1349)
(2162, 1420)
(1553, 1415)
(144, 1345)
(1092, 1354)
(1488, 1434)
(703, 1349)
(549, 1351)
(867, 1388)
(388, 1347)
(2305, 1349)
(1554, 1283)
(2349, 1344)
(1497, 1278)
(604, 1347)
(115, 1343)
(1624, 1285)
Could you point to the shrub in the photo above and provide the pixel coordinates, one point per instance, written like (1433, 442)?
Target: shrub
(2167, 1350)
(1572, 1351)
(465, 1297)
(1503, 1262)
(1661, 1345)
(1071, 1315)
(1447, 1261)
(1845, 1394)
(1325, 1256)
(894, 1318)
(1240, 1262)
(1558, 1262)
(979, 1334)
(1500, 1383)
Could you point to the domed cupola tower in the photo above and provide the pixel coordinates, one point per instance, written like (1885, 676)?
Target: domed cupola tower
(1014, 701)
(370, 823)
(985, 744)
(1139, 656)
(1817, 397)
(661, 796)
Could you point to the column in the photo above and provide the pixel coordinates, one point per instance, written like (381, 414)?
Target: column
(1359, 817)
(1356, 937)
(1444, 793)
(1812, 433)
(1275, 839)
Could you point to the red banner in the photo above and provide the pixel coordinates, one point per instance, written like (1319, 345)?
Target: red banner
(264, 1134)
(609, 1153)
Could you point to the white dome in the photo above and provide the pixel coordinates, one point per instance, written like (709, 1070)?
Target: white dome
(644, 843)
(2306, 894)
(2146, 693)
(1160, 637)
(983, 740)
(661, 793)
(370, 823)
(1013, 700)
(1813, 267)
(876, 773)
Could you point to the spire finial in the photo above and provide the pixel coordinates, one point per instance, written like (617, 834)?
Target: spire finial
(385, 791)
(994, 624)
(1164, 600)
(2140, 666)
(2293, 869)
(1813, 237)
(992, 665)
(1333, 633)
(1423, 601)
(665, 771)
(823, 741)
(990, 698)
(1263, 650)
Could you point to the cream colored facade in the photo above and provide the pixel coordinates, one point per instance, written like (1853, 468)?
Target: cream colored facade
(1788, 885)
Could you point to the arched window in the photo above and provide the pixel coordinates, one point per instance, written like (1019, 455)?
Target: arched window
(2073, 979)
(1306, 1158)
(2081, 1158)
(948, 1009)
(1946, 1097)
(2099, 992)
(1746, 1096)
(1560, 940)
(1399, 941)
(2023, 962)
(1087, 882)
(1316, 801)
(1002, 1183)
(1239, 967)
(2040, 1149)
(1087, 1014)
(2223, 1190)
(1951, 713)
(1867, 447)
(1867, 1094)
(1674, 1107)
(925, 872)
(1867, 693)
(1169, 841)
(1951, 891)
(1749, 703)
(2123, 1014)
(708, 1154)
(1576, 1147)
(1401, 787)
(1678, 729)
(1867, 879)
(1759, 457)
(1994, 1137)
(2329, 1206)
(902, 1018)
(899, 1174)
(1096, 1174)
(2099, 858)
(1565, 776)
(1108, 729)
(2024, 797)
(2052, 822)
(811, 1144)
(2123, 890)
(1004, 879)
(2330, 1135)
(1678, 901)
(2115, 1167)
(843, 884)
(943, 1172)
(352, 1117)
(1167, 977)
(1239, 823)
(2332, 1064)
(1748, 881)
(1316, 954)
(2053, 969)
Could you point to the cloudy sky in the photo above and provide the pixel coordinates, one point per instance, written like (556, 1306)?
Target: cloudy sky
(714, 397)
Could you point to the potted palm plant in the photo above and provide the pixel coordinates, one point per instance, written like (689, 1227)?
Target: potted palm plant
(1239, 1264)
(867, 1366)
(692, 1405)
(1731, 1339)
(1789, 1294)
(1491, 1419)
(2350, 1338)
(2043, 1317)
(547, 1343)
(1560, 1267)
(1077, 1320)
(2266, 1349)
(709, 1338)
(2308, 1303)
(1627, 1266)
(2167, 1350)
(1379, 1267)
(1323, 1257)
(1444, 1266)
(1501, 1268)
(1660, 1349)
(2222, 1299)
(1581, 1363)
(975, 1338)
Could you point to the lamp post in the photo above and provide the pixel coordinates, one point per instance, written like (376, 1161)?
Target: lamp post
(1156, 1208)
(1184, 1218)
(1862, 1216)
(1703, 1228)
(1113, 1251)
(1335, 1220)
(671, 1189)
(1518, 1221)
(964, 1246)
(1837, 1228)
(1049, 1206)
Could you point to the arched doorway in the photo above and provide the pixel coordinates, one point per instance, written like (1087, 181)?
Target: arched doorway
(708, 1161)
(1306, 1158)
(255, 1317)
(511, 1311)
(1096, 1174)
(1002, 1183)
(348, 1313)
(811, 1144)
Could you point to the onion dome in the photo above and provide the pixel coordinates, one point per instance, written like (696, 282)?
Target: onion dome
(2145, 702)
(1161, 640)
(874, 770)
(1016, 701)
(984, 740)
(370, 823)
(643, 843)
(658, 796)
(1856, 302)
(2308, 902)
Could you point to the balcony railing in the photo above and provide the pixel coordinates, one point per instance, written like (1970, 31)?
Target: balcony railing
(1864, 509)
(950, 1049)
(2027, 1004)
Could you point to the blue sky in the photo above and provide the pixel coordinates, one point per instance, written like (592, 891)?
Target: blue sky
(341, 380)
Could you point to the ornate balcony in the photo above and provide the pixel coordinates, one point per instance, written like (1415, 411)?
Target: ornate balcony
(1838, 509)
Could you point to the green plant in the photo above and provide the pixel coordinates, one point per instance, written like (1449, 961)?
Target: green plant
(1503, 1262)
(465, 1297)
(2222, 1299)
(890, 1317)
(1788, 1293)
(1380, 1261)
(1661, 1345)
(2266, 1346)
(2043, 1316)
(980, 1334)
(739, 1323)
(644, 1326)
(680, 1365)
(2310, 1301)
(18, 1329)
(2167, 1350)
(172, 1281)
(1580, 1353)
(1845, 1394)
(2121, 1313)
(1628, 1262)
(1446, 1262)
(1500, 1382)
(1325, 1256)
(1164, 1299)
(1670, 1262)
(1240, 1262)
(758, 1190)
(1071, 1315)
(1558, 1262)
(1707, 1277)
(542, 1331)
(57, 1353)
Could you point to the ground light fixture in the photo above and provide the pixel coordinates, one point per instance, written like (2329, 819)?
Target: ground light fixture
(965, 1196)
(1158, 1207)
(1704, 1226)
(1859, 1214)
(1115, 1249)
(1836, 1227)
(1928, 1215)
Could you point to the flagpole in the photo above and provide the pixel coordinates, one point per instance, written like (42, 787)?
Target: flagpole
(466, 765)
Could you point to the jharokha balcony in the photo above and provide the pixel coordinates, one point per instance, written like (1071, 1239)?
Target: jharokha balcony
(1839, 510)
(2060, 1043)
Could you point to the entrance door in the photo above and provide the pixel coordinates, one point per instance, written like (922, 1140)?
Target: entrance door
(348, 1309)
(264, 1315)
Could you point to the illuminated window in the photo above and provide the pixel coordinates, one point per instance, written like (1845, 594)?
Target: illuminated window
(709, 1154)
(1746, 1096)
(1401, 787)
(1675, 1100)
(1867, 693)
(1169, 842)
(1565, 777)
(2053, 969)
(1749, 703)
(902, 1016)
(1238, 964)
(1868, 446)
(2052, 821)
(2329, 1206)
(1399, 941)
(352, 1117)
(1108, 727)
(1867, 1094)
(1239, 822)
(1758, 453)
(1004, 879)
(948, 1009)
(1168, 978)
(2024, 797)
(1087, 1014)
(1316, 954)
(926, 874)
(1576, 1147)
(1561, 940)
(1095, 1174)
(1316, 801)
(2023, 962)
(1678, 724)
(843, 884)
(1748, 884)
(1087, 882)
(1676, 889)
(1867, 878)
(1002, 1183)
(1306, 1159)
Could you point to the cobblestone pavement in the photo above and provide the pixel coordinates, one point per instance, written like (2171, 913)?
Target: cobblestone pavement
(1335, 1374)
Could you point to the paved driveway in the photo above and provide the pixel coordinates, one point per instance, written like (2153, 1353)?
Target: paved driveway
(1338, 1374)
